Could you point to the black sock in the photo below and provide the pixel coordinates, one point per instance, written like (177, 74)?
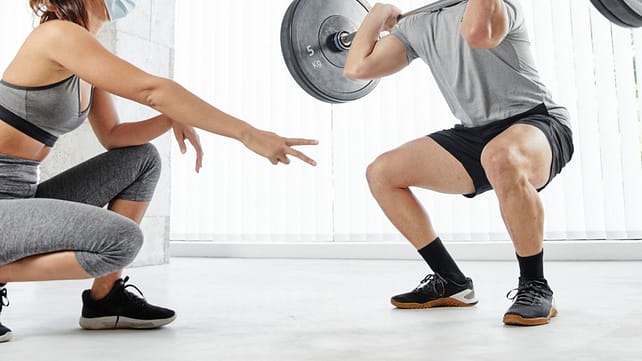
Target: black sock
(440, 262)
(532, 268)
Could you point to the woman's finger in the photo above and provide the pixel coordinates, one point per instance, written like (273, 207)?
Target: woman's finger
(300, 141)
(284, 159)
(301, 156)
(180, 138)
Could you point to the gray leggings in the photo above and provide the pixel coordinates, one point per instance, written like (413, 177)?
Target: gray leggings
(65, 212)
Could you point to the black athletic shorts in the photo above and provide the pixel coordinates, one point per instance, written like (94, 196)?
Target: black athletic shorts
(467, 144)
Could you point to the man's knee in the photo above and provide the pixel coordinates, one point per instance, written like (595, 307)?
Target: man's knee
(378, 172)
(504, 166)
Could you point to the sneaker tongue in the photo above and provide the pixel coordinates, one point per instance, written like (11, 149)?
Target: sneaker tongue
(432, 284)
(131, 296)
(538, 285)
(527, 299)
(531, 292)
(426, 281)
(524, 282)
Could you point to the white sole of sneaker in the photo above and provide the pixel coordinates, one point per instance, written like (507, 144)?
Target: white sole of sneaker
(465, 298)
(117, 322)
(6, 337)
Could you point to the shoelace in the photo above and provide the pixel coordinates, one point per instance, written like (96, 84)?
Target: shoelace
(4, 300)
(530, 293)
(131, 296)
(433, 281)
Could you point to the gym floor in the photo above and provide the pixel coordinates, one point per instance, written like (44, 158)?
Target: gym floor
(238, 309)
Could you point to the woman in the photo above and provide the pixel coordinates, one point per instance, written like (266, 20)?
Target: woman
(58, 230)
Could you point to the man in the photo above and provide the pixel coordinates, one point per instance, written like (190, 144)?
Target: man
(513, 138)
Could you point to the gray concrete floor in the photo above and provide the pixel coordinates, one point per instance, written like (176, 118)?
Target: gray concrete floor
(256, 310)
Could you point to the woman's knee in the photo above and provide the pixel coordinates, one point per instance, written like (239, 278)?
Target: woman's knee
(150, 158)
(145, 179)
(123, 240)
(131, 239)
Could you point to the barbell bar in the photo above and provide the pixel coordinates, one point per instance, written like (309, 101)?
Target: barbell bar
(625, 13)
(316, 35)
(345, 39)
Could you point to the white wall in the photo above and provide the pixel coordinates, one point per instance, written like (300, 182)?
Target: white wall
(145, 39)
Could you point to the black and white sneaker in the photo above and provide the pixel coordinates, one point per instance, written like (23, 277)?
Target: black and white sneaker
(5, 332)
(436, 291)
(122, 309)
(532, 304)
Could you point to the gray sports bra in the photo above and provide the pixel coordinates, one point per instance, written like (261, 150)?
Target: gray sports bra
(43, 113)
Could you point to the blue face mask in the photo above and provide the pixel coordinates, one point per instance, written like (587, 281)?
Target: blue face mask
(118, 9)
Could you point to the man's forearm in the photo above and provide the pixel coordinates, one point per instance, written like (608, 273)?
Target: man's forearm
(367, 36)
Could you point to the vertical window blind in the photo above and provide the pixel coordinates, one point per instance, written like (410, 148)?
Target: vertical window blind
(591, 67)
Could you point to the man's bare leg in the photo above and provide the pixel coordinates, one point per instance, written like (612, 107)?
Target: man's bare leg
(423, 163)
(517, 163)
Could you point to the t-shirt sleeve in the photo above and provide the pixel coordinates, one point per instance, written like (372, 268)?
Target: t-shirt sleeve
(515, 15)
(403, 31)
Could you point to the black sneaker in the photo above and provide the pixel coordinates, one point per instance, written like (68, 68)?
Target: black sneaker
(532, 304)
(5, 333)
(435, 291)
(122, 309)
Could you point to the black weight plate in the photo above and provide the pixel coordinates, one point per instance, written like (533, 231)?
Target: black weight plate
(619, 12)
(309, 53)
(635, 5)
(629, 11)
(608, 14)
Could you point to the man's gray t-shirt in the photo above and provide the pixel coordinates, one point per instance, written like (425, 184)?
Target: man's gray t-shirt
(480, 85)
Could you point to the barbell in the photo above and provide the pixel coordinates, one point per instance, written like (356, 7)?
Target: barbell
(316, 36)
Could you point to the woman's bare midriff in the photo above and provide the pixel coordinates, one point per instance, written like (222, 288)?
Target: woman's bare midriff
(17, 144)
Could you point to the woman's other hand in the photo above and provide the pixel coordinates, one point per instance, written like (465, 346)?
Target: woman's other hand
(182, 132)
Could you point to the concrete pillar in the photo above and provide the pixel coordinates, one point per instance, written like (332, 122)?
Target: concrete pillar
(145, 39)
